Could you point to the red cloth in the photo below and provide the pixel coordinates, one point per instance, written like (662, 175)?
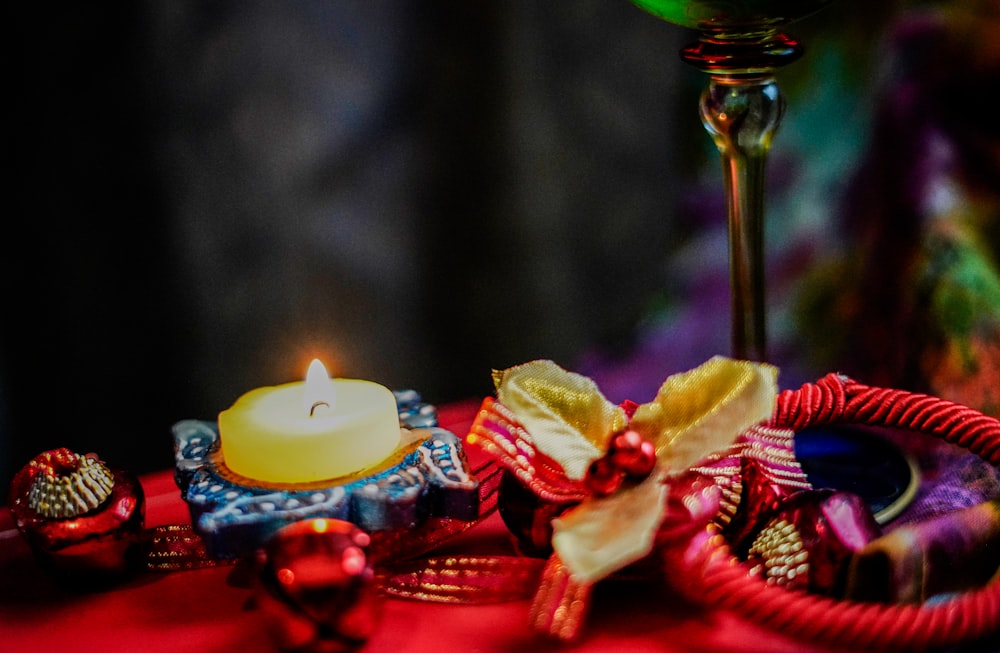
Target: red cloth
(192, 611)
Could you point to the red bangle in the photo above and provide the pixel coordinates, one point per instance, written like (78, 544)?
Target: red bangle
(720, 579)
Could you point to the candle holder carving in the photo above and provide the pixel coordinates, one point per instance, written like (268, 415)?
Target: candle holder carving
(427, 476)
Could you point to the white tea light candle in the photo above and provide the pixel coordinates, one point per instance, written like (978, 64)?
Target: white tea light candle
(309, 431)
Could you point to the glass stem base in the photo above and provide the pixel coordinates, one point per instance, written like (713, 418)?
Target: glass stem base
(742, 115)
(741, 110)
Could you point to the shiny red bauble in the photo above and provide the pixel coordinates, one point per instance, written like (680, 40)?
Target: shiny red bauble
(633, 454)
(316, 587)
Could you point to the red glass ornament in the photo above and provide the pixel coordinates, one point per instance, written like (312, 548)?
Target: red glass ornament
(316, 587)
(603, 477)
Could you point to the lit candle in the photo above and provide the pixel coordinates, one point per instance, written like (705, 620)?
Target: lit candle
(307, 431)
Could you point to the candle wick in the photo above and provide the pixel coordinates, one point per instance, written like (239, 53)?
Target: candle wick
(317, 405)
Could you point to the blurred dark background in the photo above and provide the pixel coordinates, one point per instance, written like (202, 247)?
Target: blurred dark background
(207, 195)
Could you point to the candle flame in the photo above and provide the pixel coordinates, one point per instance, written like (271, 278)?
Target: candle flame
(320, 397)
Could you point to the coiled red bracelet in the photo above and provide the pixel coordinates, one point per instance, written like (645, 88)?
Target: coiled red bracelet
(719, 578)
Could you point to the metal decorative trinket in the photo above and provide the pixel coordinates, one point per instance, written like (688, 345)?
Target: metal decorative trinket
(78, 515)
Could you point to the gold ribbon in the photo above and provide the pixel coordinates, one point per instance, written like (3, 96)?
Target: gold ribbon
(565, 413)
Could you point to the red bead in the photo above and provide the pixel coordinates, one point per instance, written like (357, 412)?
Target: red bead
(632, 454)
(603, 477)
(645, 460)
(625, 442)
(317, 586)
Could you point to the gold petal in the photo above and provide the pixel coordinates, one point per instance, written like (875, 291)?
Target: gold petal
(603, 535)
(702, 411)
(565, 413)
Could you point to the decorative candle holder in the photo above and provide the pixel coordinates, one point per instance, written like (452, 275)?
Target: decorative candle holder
(427, 476)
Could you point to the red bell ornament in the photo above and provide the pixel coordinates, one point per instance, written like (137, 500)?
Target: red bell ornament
(316, 587)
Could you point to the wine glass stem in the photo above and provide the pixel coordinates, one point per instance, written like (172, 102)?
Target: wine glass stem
(742, 113)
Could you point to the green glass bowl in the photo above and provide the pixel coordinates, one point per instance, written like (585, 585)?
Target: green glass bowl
(731, 15)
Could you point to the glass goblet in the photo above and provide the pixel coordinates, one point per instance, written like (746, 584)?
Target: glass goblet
(740, 46)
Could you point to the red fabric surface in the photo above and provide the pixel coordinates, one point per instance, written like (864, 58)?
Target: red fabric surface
(208, 610)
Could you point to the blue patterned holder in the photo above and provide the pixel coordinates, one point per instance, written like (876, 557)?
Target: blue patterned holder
(427, 476)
